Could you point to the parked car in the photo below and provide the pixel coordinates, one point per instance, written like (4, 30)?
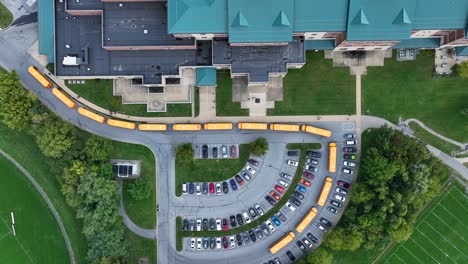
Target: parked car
(290, 206)
(349, 163)
(253, 162)
(332, 209)
(199, 243)
(312, 238)
(250, 169)
(215, 152)
(185, 225)
(349, 156)
(224, 153)
(245, 175)
(279, 189)
(199, 224)
(275, 195)
(198, 189)
(293, 153)
(192, 225)
(246, 238)
(347, 171)
(295, 201)
(192, 243)
(252, 213)
(259, 232)
(350, 135)
(322, 228)
(298, 195)
(240, 219)
(293, 163)
(205, 151)
(325, 221)
(225, 187)
(239, 180)
(270, 225)
(312, 161)
(335, 203)
(304, 182)
(265, 229)
(270, 200)
(184, 188)
(344, 184)
(225, 224)
(218, 188)
(212, 224)
(276, 221)
(252, 236)
(342, 191)
(290, 255)
(233, 151)
(349, 149)
(191, 188)
(308, 175)
(205, 188)
(233, 184)
(232, 241)
(313, 154)
(339, 197)
(225, 243)
(301, 245)
(239, 240)
(218, 243)
(259, 209)
(212, 190)
(307, 242)
(246, 217)
(286, 176)
(232, 219)
(205, 224)
(283, 183)
(205, 243)
(310, 168)
(301, 188)
(350, 142)
(281, 216)
(212, 242)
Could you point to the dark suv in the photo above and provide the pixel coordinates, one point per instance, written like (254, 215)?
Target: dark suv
(225, 187)
(205, 151)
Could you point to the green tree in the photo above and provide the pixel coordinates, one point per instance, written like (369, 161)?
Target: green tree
(15, 102)
(259, 146)
(139, 190)
(344, 239)
(98, 148)
(70, 182)
(185, 151)
(55, 138)
(461, 70)
(318, 256)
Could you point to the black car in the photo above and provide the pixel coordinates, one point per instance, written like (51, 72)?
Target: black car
(212, 242)
(246, 238)
(252, 213)
(313, 154)
(191, 188)
(240, 219)
(206, 241)
(312, 238)
(232, 219)
(295, 201)
(239, 240)
(270, 200)
(281, 216)
(325, 221)
(335, 203)
(253, 162)
(185, 225)
(298, 195)
(293, 153)
(239, 180)
(215, 152)
(332, 209)
(192, 225)
(205, 188)
(252, 236)
(205, 151)
(225, 187)
(290, 255)
(349, 149)
(205, 224)
(349, 156)
(301, 246)
(212, 224)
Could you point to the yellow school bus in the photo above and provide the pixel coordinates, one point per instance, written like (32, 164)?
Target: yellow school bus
(325, 191)
(306, 220)
(152, 127)
(256, 126)
(218, 126)
(91, 115)
(122, 124)
(332, 157)
(186, 127)
(39, 77)
(62, 97)
(316, 131)
(284, 127)
(282, 243)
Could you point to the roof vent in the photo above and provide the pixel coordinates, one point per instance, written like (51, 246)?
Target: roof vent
(360, 18)
(281, 20)
(402, 17)
(240, 20)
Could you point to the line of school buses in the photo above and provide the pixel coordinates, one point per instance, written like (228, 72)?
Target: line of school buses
(214, 126)
(176, 127)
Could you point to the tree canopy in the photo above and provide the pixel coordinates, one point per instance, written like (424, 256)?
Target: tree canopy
(461, 70)
(185, 152)
(139, 190)
(259, 146)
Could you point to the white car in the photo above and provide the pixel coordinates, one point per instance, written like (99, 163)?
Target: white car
(290, 206)
(349, 163)
(218, 224)
(184, 188)
(250, 169)
(198, 224)
(199, 243)
(347, 171)
(233, 241)
(218, 243)
(218, 188)
(350, 142)
(224, 152)
(198, 189)
(292, 163)
(270, 225)
(192, 243)
(283, 183)
(342, 191)
(259, 209)
(246, 217)
(339, 197)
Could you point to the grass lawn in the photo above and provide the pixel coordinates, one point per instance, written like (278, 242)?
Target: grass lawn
(140, 248)
(23, 148)
(142, 213)
(317, 89)
(99, 92)
(197, 101)
(408, 89)
(5, 17)
(440, 234)
(224, 104)
(34, 223)
(428, 138)
(210, 170)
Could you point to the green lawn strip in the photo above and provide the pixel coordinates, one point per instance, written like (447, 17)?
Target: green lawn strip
(358, 256)
(197, 101)
(23, 148)
(317, 88)
(100, 92)
(179, 235)
(408, 89)
(261, 219)
(5, 17)
(210, 170)
(430, 139)
(142, 213)
(461, 156)
(224, 104)
(140, 248)
(34, 223)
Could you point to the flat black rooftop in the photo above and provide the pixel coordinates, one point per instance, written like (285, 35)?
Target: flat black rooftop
(84, 4)
(138, 24)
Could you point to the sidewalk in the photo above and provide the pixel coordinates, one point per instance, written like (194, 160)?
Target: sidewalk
(428, 129)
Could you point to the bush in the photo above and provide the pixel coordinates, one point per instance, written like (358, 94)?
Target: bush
(98, 148)
(185, 152)
(259, 146)
(139, 190)
(318, 256)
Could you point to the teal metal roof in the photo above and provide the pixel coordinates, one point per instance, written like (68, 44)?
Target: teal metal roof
(320, 16)
(415, 43)
(206, 76)
(461, 51)
(437, 14)
(380, 19)
(320, 44)
(45, 10)
(197, 16)
(260, 20)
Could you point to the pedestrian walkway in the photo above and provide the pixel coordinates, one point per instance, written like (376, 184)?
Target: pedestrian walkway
(463, 146)
(207, 101)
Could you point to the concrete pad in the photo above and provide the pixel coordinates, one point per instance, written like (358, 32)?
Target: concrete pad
(207, 102)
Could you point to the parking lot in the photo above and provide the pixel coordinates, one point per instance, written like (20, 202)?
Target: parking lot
(216, 151)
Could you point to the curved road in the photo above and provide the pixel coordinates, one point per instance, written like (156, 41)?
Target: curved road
(48, 202)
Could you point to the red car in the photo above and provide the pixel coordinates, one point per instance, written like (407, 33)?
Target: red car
(279, 189)
(239, 180)
(275, 195)
(212, 188)
(343, 184)
(233, 151)
(225, 224)
(225, 243)
(304, 182)
(308, 175)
